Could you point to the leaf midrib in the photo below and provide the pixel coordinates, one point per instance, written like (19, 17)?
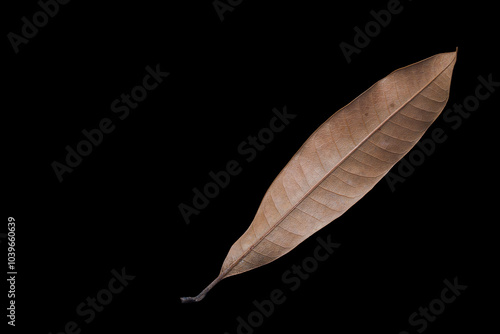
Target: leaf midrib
(245, 254)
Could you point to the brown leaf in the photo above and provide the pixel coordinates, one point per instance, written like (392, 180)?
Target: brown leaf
(341, 161)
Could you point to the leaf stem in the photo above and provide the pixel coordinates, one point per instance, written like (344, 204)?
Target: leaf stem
(202, 294)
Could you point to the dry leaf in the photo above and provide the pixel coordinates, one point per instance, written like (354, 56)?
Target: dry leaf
(341, 161)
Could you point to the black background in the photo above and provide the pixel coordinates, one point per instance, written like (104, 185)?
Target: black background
(119, 207)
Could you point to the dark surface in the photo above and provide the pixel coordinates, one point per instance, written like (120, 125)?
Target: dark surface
(119, 207)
